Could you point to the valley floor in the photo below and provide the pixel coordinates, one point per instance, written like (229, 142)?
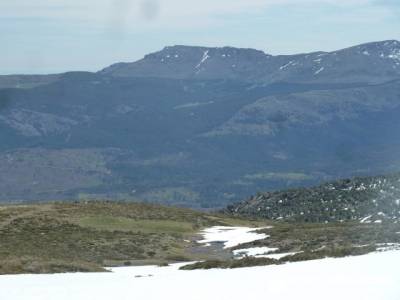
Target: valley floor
(371, 276)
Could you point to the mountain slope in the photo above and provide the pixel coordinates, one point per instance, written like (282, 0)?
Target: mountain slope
(26, 81)
(366, 199)
(162, 133)
(88, 236)
(184, 62)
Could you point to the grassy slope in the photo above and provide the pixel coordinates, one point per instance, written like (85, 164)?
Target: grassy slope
(61, 237)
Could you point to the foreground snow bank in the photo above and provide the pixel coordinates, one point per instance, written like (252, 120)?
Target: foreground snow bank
(373, 276)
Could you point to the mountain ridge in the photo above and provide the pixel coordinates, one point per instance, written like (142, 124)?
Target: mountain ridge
(233, 63)
(278, 65)
(201, 142)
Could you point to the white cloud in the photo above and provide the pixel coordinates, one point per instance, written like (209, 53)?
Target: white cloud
(160, 11)
(121, 17)
(141, 16)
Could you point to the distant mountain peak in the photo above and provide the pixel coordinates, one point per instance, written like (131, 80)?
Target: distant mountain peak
(388, 43)
(202, 48)
(182, 62)
(382, 49)
(198, 52)
(377, 44)
(366, 63)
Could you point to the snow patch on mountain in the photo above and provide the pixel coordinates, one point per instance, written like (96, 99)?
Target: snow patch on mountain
(279, 255)
(286, 65)
(255, 251)
(203, 59)
(231, 236)
(319, 70)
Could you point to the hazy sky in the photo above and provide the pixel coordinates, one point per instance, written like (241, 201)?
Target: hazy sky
(46, 36)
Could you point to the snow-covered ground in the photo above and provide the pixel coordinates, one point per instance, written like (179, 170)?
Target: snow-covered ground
(373, 276)
(256, 251)
(278, 255)
(231, 236)
(234, 236)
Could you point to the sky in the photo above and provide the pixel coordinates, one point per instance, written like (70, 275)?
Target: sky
(51, 36)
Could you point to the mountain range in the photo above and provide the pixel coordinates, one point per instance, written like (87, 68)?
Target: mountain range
(201, 127)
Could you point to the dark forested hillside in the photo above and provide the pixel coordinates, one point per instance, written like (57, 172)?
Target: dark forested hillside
(367, 199)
